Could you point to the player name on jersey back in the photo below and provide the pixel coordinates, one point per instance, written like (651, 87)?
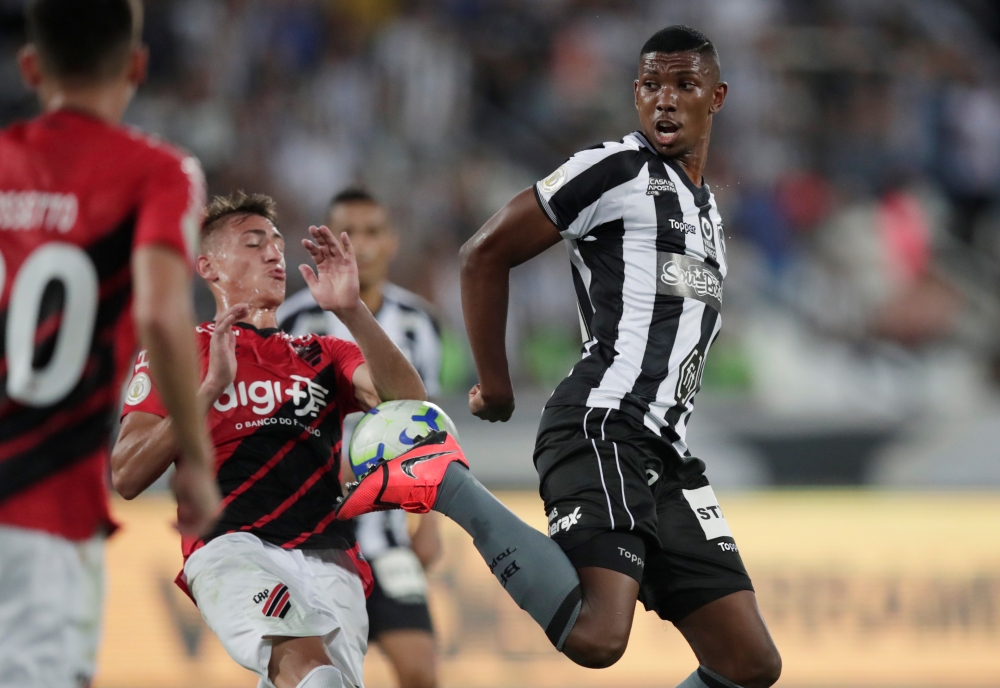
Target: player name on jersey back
(29, 210)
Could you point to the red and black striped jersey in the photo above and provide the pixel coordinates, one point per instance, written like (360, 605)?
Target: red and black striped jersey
(277, 433)
(77, 197)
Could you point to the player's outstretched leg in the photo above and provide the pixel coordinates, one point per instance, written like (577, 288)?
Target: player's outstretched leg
(434, 475)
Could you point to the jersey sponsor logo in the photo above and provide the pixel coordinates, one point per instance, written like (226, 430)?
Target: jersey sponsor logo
(138, 389)
(683, 276)
(408, 464)
(278, 603)
(708, 235)
(554, 181)
(263, 396)
(683, 227)
(30, 210)
(557, 523)
(728, 547)
(688, 376)
(705, 506)
(659, 185)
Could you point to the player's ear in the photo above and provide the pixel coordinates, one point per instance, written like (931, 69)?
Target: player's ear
(138, 64)
(635, 89)
(29, 66)
(205, 268)
(719, 97)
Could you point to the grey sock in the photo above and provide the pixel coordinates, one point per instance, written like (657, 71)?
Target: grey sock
(531, 568)
(706, 678)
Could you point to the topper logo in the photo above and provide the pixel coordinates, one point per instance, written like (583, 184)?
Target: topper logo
(262, 396)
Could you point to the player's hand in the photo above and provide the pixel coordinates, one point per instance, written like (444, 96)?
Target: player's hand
(197, 497)
(491, 408)
(222, 350)
(334, 284)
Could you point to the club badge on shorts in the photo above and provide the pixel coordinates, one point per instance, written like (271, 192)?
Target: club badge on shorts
(279, 602)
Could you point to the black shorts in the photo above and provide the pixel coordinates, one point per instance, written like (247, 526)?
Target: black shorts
(388, 614)
(601, 470)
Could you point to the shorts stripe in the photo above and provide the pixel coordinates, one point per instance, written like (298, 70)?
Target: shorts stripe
(600, 468)
(622, 479)
(607, 496)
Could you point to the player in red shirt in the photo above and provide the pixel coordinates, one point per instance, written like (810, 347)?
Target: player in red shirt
(95, 225)
(273, 579)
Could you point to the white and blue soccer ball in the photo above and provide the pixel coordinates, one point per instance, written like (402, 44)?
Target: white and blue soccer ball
(392, 428)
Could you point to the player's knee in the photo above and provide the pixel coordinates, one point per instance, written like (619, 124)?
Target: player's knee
(760, 669)
(596, 649)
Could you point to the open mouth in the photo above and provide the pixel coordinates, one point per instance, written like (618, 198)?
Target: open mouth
(666, 132)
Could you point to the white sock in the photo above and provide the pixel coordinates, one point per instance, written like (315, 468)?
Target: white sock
(325, 676)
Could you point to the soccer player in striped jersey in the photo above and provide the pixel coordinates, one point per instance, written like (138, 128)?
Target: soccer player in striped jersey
(398, 617)
(625, 499)
(277, 578)
(97, 230)
(631, 514)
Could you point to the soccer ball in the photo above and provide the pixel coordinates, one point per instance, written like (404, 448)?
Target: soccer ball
(391, 428)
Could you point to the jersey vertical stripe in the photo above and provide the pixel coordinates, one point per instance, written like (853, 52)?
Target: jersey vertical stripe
(647, 256)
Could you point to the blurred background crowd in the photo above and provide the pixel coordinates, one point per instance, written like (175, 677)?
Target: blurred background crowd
(856, 164)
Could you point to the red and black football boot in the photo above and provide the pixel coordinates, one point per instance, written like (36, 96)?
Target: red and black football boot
(408, 482)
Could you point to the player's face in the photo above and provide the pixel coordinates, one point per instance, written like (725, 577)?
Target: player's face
(245, 263)
(374, 241)
(676, 95)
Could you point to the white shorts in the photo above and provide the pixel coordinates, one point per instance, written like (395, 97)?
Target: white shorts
(250, 591)
(51, 592)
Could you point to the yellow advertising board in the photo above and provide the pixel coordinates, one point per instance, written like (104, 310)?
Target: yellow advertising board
(859, 589)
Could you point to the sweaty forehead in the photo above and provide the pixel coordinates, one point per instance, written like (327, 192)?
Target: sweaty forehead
(666, 63)
(234, 228)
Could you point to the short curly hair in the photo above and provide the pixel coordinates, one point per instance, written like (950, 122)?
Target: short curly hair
(240, 204)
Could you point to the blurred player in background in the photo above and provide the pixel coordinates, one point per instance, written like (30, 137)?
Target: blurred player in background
(275, 579)
(398, 617)
(97, 224)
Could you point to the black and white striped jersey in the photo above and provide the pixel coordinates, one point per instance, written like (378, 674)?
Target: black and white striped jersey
(404, 316)
(648, 259)
(406, 319)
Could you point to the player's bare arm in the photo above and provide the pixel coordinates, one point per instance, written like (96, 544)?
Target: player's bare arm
(516, 234)
(165, 323)
(148, 444)
(386, 374)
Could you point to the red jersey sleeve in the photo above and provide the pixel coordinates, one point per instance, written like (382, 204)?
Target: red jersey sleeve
(141, 395)
(346, 357)
(172, 205)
